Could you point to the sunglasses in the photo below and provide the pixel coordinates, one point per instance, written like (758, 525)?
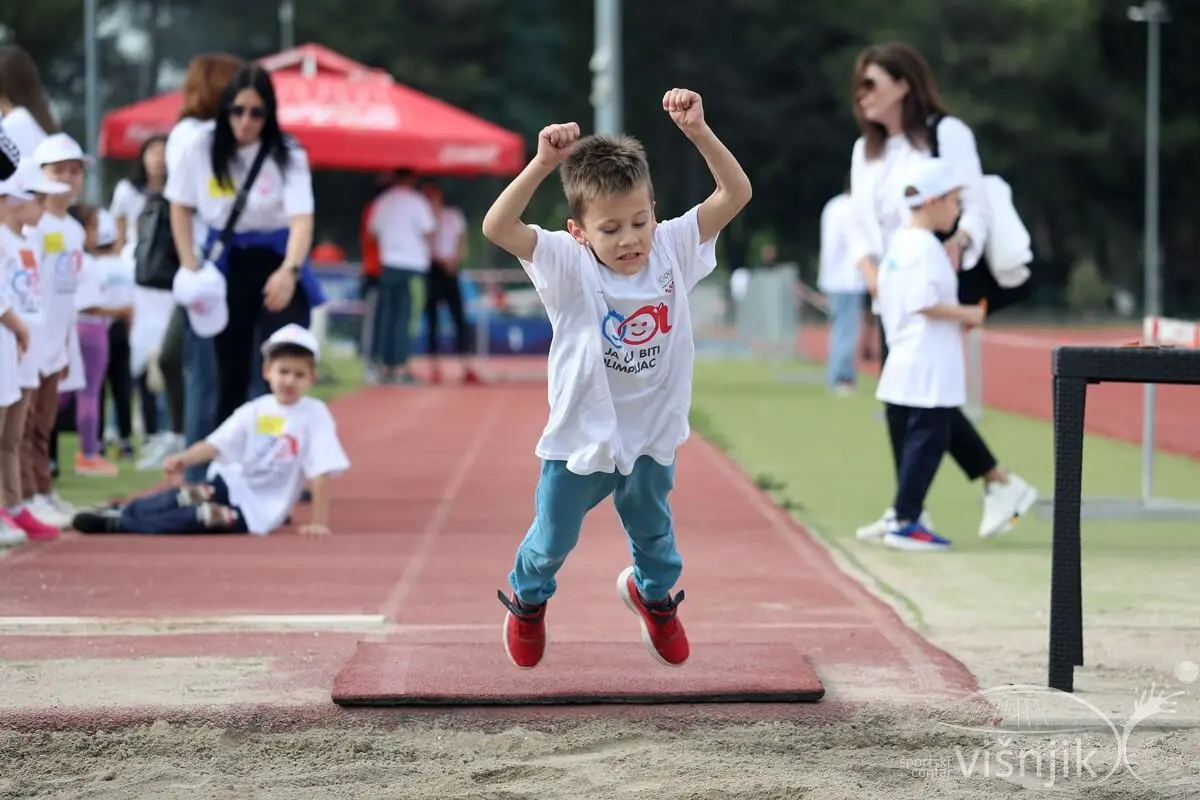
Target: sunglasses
(255, 112)
(866, 85)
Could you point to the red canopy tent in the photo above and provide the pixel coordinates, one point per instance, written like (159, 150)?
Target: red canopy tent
(348, 116)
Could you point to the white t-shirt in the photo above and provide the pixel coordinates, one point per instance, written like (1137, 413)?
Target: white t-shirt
(272, 202)
(839, 272)
(20, 280)
(451, 223)
(59, 243)
(106, 282)
(401, 219)
(266, 450)
(177, 144)
(127, 204)
(925, 366)
(24, 130)
(621, 357)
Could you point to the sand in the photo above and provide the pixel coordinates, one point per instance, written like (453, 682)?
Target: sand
(861, 743)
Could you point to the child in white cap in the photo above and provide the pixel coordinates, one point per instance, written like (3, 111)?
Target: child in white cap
(261, 456)
(21, 331)
(59, 239)
(924, 377)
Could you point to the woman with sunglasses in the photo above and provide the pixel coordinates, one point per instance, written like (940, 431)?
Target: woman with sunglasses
(269, 283)
(899, 109)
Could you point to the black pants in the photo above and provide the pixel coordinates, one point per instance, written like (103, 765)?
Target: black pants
(170, 362)
(249, 322)
(966, 447)
(441, 286)
(118, 379)
(181, 511)
(925, 436)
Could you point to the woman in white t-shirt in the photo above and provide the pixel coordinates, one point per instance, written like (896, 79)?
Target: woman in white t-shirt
(24, 107)
(895, 100)
(265, 262)
(441, 282)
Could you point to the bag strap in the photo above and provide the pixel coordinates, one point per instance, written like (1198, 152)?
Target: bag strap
(239, 203)
(932, 123)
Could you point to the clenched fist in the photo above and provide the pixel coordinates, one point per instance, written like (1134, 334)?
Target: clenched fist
(686, 109)
(556, 142)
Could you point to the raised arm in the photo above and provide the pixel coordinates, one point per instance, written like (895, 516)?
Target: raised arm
(502, 224)
(733, 190)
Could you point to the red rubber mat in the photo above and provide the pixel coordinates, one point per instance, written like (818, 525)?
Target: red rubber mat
(401, 673)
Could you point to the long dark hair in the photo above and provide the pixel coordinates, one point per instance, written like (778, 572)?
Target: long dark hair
(21, 85)
(902, 62)
(140, 178)
(225, 147)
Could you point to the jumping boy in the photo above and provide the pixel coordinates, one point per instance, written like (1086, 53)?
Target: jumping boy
(615, 285)
(924, 377)
(261, 457)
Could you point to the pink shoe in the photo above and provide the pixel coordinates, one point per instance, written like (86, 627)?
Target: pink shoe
(34, 528)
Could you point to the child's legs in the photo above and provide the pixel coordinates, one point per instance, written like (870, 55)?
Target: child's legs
(925, 442)
(12, 432)
(93, 345)
(35, 446)
(642, 503)
(173, 511)
(563, 499)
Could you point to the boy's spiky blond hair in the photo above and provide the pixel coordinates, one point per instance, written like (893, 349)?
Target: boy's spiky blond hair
(603, 166)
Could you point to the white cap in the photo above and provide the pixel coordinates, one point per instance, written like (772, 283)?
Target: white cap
(292, 334)
(59, 147)
(29, 180)
(106, 228)
(202, 294)
(929, 179)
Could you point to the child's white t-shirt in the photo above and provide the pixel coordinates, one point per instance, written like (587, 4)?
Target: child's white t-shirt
(925, 363)
(621, 357)
(106, 282)
(59, 242)
(266, 450)
(19, 277)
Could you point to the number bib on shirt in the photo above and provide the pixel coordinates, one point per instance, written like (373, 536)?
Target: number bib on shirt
(62, 265)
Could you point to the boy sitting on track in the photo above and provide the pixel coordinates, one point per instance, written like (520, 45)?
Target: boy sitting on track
(615, 285)
(261, 456)
(924, 377)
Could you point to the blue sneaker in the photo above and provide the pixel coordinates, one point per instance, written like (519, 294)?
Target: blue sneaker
(914, 536)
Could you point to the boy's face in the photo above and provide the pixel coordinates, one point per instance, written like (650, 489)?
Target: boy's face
(29, 212)
(70, 173)
(289, 376)
(619, 229)
(945, 210)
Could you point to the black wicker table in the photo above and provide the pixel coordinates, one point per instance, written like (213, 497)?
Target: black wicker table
(1074, 369)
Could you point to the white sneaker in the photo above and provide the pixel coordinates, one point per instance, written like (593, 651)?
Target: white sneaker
(880, 527)
(1004, 504)
(44, 508)
(11, 536)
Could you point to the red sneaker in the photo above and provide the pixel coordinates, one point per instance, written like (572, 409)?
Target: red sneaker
(662, 632)
(524, 632)
(34, 528)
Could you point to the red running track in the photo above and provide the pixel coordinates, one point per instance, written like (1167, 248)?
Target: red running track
(425, 530)
(1017, 378)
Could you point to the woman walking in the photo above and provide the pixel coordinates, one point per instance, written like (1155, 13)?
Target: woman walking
(900, 112)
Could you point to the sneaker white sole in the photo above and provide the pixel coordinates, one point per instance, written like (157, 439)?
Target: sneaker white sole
(1028, 498)
(904, 543)
(623, 591)
(507, 652)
